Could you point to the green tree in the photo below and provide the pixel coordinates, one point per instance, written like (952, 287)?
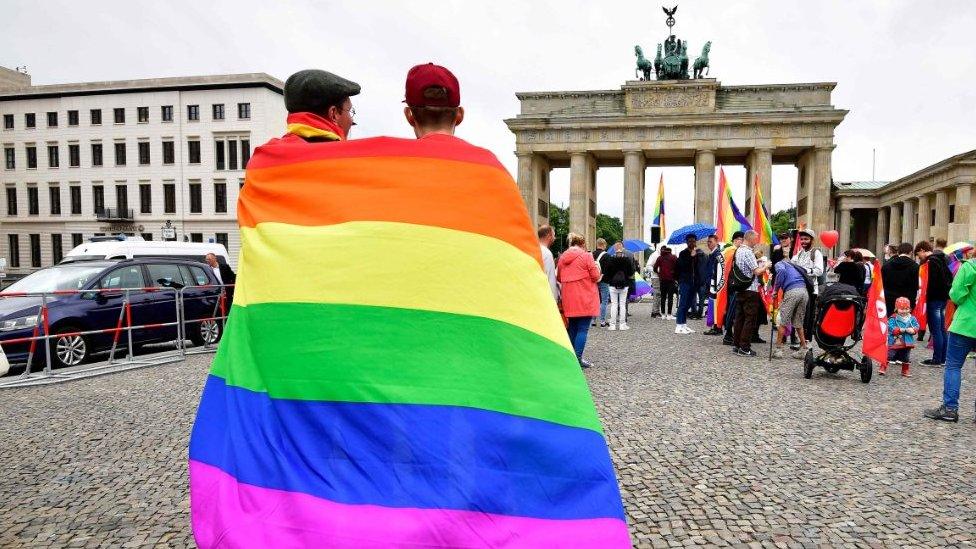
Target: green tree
(783, 220)
(609, 229)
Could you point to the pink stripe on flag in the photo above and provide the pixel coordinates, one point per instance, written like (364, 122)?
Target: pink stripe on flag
(227, 513)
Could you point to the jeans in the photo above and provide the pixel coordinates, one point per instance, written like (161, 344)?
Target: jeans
(935, 315)
(604, 299)
(956, 350)
(618, 306)
(686, 295)
(579, 327)
(747, 306)
(702, 291)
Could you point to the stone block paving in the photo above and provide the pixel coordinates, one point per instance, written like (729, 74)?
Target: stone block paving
(710, 450)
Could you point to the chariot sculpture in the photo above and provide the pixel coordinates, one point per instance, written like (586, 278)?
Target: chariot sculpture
(671, 61)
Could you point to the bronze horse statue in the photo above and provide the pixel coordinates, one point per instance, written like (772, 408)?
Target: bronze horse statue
(644, 66)
(701, 64)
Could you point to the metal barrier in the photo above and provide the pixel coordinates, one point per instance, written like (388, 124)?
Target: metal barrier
(213, 325)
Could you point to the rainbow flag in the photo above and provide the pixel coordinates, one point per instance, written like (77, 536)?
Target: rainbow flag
(659, 208)
(369, 391)
(760, 216)
(728, 218)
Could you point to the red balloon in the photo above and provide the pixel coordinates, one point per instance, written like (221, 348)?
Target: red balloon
(829, 238)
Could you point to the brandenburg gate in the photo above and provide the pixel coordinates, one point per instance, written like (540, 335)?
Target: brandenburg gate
(681, 122)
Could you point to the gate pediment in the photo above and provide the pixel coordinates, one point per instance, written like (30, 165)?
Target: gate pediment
(670, 96)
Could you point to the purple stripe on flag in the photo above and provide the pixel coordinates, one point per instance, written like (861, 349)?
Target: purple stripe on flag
(227, 513)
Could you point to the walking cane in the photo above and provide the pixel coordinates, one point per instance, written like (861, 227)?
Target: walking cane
(772, 326)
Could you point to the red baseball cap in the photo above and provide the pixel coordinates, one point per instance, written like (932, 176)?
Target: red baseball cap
(420, 80)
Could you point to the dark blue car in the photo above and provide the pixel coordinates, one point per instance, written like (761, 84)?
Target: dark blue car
(69, 314)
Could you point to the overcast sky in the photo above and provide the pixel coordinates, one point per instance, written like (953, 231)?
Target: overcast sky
(905, 69)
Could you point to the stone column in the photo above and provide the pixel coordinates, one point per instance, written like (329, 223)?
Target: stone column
(759, 161)
(582, 196)
(533, 181)
(941, 228)
(924, 213)
(704, 186)
(844, 243)
(908, 221)
(965, 212)
(894, 225)
(525, 180)
(819, 195)
(633, 221)
(881, 231)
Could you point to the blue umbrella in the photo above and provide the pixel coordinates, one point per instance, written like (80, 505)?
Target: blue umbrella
(635, 245)
(699, 230)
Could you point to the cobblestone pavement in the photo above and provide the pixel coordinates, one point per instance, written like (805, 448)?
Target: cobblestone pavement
(710, 449)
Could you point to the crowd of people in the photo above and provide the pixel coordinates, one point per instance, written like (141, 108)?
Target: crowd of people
(737, 290)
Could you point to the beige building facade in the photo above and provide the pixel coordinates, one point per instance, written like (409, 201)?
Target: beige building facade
(698, 123)
(935, 202)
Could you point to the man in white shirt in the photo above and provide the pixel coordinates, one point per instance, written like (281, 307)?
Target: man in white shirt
(812, 261)
(546, 237)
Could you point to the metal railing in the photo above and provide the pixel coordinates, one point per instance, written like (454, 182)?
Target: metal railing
(115, 214)
(123, 324)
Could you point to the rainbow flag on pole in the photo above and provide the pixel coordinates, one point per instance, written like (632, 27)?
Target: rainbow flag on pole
(659, 208)
(760, 216)
(728, 218)
(369, 391)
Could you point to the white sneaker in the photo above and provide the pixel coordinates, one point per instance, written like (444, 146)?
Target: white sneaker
(624, 327)
(681, 329)
(687, 329)
(611, 327)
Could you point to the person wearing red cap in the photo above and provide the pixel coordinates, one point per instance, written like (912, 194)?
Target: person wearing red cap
(433, 98)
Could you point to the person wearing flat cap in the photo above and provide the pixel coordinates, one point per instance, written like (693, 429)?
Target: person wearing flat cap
(319, 106)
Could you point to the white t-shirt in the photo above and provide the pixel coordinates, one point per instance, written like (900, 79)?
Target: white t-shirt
(549, 264)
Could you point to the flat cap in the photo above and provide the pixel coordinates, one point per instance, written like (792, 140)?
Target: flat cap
(313, 90)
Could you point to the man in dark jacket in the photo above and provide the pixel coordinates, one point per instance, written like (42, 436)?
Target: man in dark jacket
(936, 297)
(900, 276)
(687, 274)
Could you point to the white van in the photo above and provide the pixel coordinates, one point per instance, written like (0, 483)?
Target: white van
(135, 247)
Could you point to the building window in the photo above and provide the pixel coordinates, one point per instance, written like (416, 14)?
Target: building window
(218, 155)
(72, 118)
(75, 192)
(96, 154)
(13, 249)
(122, 199)
(193, 112)
(52, 156)
(245, 152)
(119, 116)
(77, 239)
(221, 239)
(193, 151)
(932, 223)
(57, 248)
(169, 198)
(52, 120)
(54, 194)
(30, 120)
(244, 111)
(35, 250)
(196, 198)
(232, 155)
(145, 198)
(169, 154)
(9, 158)
(74, 155)
(33, 204)
(142, 114)
(218, 111)
(96, 117)
(146, 236)
(196, 237)
(11, 200)
(120, 154)
(952, 213)
(31, 157)
(143, 153)
(98, 199)
(220, 197)
(166, 113)
(8, 121)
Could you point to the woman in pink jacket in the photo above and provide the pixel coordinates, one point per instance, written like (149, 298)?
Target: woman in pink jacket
(578, 275)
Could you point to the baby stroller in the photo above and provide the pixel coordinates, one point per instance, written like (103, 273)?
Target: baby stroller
(838, 318)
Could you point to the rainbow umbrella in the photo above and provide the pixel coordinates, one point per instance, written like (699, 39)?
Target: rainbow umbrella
(641, 286)
(956, 254)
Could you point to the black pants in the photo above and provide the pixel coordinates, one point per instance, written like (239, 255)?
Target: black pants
(747, 306)
(809, 319)
(668, 289)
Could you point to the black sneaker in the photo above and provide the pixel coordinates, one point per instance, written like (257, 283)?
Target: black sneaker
(604, 324)
(713, 332)
(943, 414)
(585, 363)
(727, 341)
(758, 339)
(795, 347)
(744, 352)
(930, 362)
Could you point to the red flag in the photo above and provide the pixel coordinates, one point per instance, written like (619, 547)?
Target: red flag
(923, 292)
(875, 331)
